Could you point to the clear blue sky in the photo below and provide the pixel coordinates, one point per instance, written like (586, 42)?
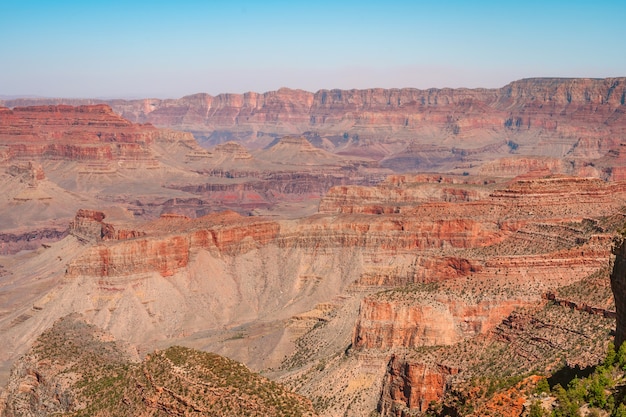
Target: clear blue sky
(173, 48)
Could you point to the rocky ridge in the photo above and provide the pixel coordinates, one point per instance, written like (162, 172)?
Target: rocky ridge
(76, 369)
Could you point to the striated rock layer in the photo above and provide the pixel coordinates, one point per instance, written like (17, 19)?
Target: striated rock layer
(86, 133)
(425, 263)
(429, 322)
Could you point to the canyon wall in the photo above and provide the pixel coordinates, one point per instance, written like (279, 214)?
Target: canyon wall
(453, 254)
(410, 386)
(523, 104)
(130, 252)
(406, 128)
(431, 321)
(84, 133)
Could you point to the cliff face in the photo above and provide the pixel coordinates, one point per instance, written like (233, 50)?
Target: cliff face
(398, 192)
(536, 245)
(519, 105)
(429, 322)
(409, 386)
(549, 196)
(84, 133)
(165, 254)
(89, 225)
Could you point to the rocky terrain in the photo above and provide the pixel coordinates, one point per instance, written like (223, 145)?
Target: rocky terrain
(75, 369)
(300, 241)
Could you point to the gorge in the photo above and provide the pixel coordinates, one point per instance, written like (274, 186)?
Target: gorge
(370, 250)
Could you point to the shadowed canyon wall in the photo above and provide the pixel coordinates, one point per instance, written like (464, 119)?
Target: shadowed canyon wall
(618, 285)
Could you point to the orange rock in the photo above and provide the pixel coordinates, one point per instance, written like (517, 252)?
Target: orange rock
(431, 321)
(410, 386)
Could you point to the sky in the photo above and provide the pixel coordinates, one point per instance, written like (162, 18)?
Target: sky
(169, 49)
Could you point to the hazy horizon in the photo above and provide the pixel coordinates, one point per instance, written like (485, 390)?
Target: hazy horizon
(161, 50)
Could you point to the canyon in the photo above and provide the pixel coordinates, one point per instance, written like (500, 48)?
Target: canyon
(373, 250)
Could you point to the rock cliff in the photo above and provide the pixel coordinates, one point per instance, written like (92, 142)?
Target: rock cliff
(410, 387)
(84, 133)
(165, 253)
(431, 321)
(88, 225)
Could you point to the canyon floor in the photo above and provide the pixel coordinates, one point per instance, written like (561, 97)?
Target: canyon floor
(375, 252)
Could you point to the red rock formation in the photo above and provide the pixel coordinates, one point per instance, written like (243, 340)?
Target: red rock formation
(410, 386)
(89, 225)
(553, 197)
(165, 256)
(430, 321)
(397, 192)
(168, 251)
(84, 133)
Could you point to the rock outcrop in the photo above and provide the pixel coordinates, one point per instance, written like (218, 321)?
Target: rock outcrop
(164, 253)
(14, 242)
(412, 386)
(399, 192)
(431, 321)
(88, 225)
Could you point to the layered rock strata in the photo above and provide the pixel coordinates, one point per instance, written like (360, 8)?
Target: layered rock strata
(89, 225)
(410, 129)
(87, 134)
(14, 242)
(431, 321)
(164, 253)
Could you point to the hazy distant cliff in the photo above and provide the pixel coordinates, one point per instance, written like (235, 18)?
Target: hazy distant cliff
(518, 94)
(349, 119)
